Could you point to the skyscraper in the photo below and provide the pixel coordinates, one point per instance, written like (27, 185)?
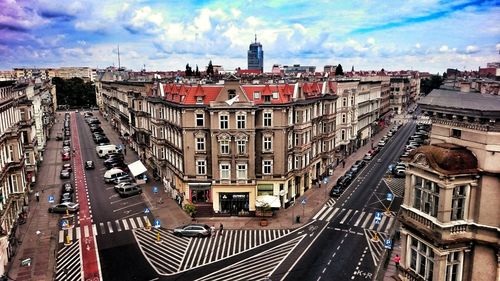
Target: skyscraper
(256, 56)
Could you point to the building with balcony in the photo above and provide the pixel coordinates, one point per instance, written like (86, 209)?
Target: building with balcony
(450, 216)
(223, 146)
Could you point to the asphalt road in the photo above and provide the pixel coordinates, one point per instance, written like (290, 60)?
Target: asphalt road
(120, 257)
(342, 249)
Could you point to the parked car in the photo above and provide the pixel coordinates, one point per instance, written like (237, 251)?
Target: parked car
(68, 167)
(66, 156)
(381, 143)
(400, 173)
(127, 191)
(67, 143)
(68, 197)
(102, 140)
(109, 162)
(89, 165)
(65, 174)
(121, 179)
(193, 230)
(368, 156)
(63, 207)
(124, 184)
(67, 187)
(96, 129)
(360, 164)
(59, 137)
(336, 191)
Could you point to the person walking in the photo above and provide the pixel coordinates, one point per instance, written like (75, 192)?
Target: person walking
(396, 260)
(343, 163)
(212, 231)
(221, 228)
(37, 196)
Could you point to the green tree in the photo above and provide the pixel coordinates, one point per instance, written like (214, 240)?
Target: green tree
(189, 71)
(197, 72)
(210, 69)
(429, 84)
(339, 70)
(74, 92)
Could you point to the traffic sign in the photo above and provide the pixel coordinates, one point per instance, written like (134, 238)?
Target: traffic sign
(51, 198)
(146, 210)
(303, 201)
(155, 189)
(389, 196)
(64, 223)
(378, 217)
(325, 180)
(157, 223)
(388, 244)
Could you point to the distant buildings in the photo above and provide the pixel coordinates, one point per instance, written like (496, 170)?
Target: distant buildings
(255, 56)
(86, 73)
(297, 68)
(450, 215)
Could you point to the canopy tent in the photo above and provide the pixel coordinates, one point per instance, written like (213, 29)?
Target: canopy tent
(267, 200)
(137, 168)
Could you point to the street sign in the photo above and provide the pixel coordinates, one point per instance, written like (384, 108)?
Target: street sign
(303, 201)
(51, 198)
(388, 244)
(378, 217)
(146, 210)
(64, 223)
(155, 189)
(325, 180)
(389, 196)
(157, 223)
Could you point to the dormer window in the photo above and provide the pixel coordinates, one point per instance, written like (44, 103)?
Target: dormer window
(267, 98)
(199, 100)
(231, 94)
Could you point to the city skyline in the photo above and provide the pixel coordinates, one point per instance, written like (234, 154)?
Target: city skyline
(424, 35)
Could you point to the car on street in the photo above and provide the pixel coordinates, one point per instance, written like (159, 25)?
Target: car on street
(381, 143)
(109, 162)
(66, 149)
(67, 166)
(122, 179)
(336, 191)
(368, 156)
(66, 143)
(124, 184)
(63, 207)
(89, 165)
(193, 230)
(360, 163)
(67, 197)
(66, 156)
(65, 174)
(67, 187)
(102, 141)
(127, 191)
(399, 173)
(59, 137)
(96, 129)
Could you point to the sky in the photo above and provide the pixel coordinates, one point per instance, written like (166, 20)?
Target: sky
(425, 35)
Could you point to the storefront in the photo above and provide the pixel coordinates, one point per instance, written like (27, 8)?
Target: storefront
(200, 192)
(234, 203)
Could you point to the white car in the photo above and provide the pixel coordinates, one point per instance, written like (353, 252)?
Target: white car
(381, 143)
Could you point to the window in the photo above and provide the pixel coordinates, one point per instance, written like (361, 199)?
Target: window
(426, 196)
(344, 119)
(224, 146)
(241, 121)
(456, 133)
(290, 163)
(242, 171)
(268, 143)
(275, 95)
(267, 167)
(225, 171)
(267, 119)
(241, 145)
(344, 102)
(231, 94)
(342, 135)
(267, 98)
(421, 259)
(290, 140)
(458, 203)
(224, 122)
(199, 100)
(454, 266)
(256, 95)
(200, 120)
(201, 167)
(290, 117)
(200, 144)
(352, 101)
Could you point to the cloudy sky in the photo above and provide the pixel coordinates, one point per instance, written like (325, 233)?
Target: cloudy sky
(426, 35)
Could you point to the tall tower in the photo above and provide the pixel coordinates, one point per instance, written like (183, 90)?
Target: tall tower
(256, 56)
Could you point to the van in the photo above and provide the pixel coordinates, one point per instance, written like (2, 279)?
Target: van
(103, 150)
(112, 174)
(126, 191)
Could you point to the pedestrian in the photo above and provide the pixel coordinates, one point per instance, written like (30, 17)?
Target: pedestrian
(343, 163)
(221, 228)
(125, 150)
(212, 230)
(37, 195)
(396, 260)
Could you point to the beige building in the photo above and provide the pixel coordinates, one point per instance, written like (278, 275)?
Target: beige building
(450, 215)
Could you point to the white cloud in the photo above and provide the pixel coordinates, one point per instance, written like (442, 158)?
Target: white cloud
(444, 49)
(417, 46)
(471, 49)
(497, 47)
(371, 41)
(145, 20)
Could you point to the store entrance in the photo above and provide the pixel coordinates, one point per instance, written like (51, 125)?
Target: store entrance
(234, 203)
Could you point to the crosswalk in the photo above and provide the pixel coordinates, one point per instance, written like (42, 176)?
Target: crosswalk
(365, 220)
(104, 228)
(175, 254)
(258, 267)
(376, 245)
(330, 202)
(68, 263)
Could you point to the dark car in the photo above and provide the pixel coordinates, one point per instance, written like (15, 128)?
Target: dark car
(63, 207)
(346, 180)
(67, 187)
(67, 143)
(114, 155)
(65, 174)
(118, 165)
(113, 161)
(102, 140)
(89, 165)
(96, 129)
(360, 163)
(193, 230)
(336, 191)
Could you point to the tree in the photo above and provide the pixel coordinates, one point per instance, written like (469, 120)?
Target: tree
(197, 72)
(210, 69)
(339, 70)
(74, 92)
(189, 71)
(427, 85)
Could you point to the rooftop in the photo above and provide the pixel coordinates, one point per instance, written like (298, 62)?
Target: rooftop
(447, 158)
(461, 100)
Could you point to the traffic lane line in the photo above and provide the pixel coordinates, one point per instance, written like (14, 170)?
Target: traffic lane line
(126, 207)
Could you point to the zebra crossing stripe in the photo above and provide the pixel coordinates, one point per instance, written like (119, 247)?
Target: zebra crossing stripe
(77, 232)
(381, 223)
(139, 222)
(125, 225)
(118, 226)
(70, 235)
(110, 227)
(367, 220)
(389, 224)
(359, 218)
(103, 229)
(94, 229)
(86, 231)
(345, 217)
(132, 223)
(321, 212)
(332, 214)
(146, 220)
(61, 236)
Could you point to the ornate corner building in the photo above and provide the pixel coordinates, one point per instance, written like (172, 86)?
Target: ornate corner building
(450, 216)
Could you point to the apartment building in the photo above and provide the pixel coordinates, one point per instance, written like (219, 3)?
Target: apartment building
(226, 146)
(86, 73)
(450, 216)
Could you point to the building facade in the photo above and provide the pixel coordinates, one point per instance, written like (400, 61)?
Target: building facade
(450, 216)
(255, 56)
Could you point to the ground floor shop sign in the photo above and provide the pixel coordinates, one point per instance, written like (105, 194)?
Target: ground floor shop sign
(234, 203)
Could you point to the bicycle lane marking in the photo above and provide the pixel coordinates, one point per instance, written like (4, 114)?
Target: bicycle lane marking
(90, 258)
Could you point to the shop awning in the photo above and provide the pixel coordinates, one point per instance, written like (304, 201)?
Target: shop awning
(137, 168)
(269, 200)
